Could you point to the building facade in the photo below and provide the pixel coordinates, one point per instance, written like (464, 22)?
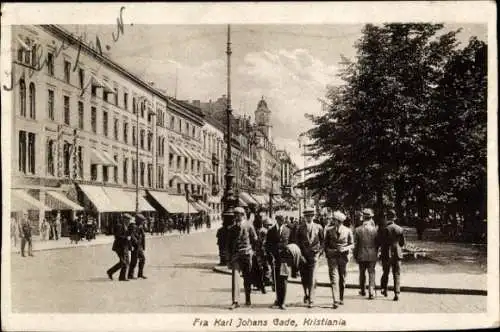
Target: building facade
(87, 132)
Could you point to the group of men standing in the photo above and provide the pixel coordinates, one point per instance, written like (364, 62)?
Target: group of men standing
(129, 240)
(300, 247)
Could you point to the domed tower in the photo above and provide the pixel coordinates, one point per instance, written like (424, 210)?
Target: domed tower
(263, 118)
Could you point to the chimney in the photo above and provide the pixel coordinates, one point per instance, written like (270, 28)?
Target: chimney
(196, 103)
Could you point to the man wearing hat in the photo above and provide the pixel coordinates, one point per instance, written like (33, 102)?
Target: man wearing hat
(241, 242)
(365, 252)
(276, 245)
(138, 241)
(391, 239)
(338, 241)
(121, 247)
(310, 241)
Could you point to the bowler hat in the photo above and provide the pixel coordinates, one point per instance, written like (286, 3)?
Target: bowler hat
(308, 211)
(368, 213)
(339, 216)
(239, 209)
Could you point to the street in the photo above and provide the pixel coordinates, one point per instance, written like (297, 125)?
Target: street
(180, 280)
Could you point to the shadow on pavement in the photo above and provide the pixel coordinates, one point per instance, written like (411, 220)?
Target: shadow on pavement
(212, 257)
(96, 279)
(197, 266)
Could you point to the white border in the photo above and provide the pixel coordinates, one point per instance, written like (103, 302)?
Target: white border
(248, 13)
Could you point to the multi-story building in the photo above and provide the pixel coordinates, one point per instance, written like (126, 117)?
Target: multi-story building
(287, 177)
(87, 132)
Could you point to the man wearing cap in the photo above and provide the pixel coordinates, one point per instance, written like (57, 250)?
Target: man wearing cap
(391, 240)
(121, 247)
(138, 241)
(338, 241)
(259, 259)
(241, 242)
(365, 252)
(276, 244)
(310, 241)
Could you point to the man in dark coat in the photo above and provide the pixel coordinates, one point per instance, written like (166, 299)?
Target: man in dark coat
(121, 247)
(365, 252)
(276, 245)
(391, 240)
(241, 241)
(25, 233)
(221, 243)
(138, 243)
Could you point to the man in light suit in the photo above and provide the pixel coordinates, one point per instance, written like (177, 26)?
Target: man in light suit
(391, 240)
(338, 241)
(309, 238)
(276, 245)
(365, 252)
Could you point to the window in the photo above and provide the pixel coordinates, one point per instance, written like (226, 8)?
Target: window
(142, 174)
(134, 136)
(50, 104)
(105, 123)
(22, 97)
(192, 165)
(32, 101)
(125, 170)
(150, 138)
(66, 159)
(180, 125)
(134, 105)
(105, 175)
(116, 96)
(125, 132)
(93, 172)
(199, 167)
(93, 90)
(66, 110)
(50, 157)
(125, 101)
(194, 132)
(172, 122)
(34, 60)
(81, 78)
(50, 64)
(170, 160)
(80, 115)
(143, 108)
(186, 163)
(178, 188)
(115, 169)
(67, 71)
(134, 172)
(178, 162)
(150, 175)
(187, 128)
(93, 119)
(142, 139)
(115, 129)
(22, 151)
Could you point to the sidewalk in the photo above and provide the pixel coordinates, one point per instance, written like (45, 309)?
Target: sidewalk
(101, 239)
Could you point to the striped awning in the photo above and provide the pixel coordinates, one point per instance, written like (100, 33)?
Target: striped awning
(247, 198)
(22, 201)
(173, 203)
(98, 197)
(59, 201)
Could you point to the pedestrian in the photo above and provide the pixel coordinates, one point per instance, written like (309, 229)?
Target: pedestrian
(338, 242)
(57, 224)
(14, 231)
(365, 252)
(26, 236)
(276, 245)
(259, 259)
(44, 229)
(391, 241)
(242, 238)
(121, 247)
(309, 238)
(221, 243)
(138, 245)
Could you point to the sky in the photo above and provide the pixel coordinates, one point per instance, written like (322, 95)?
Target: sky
(289, 65)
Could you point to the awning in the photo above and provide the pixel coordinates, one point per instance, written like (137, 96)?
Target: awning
(22, 201)
(185, 152)
(100, 199)
(261, 199)
(176, 151)
(127, 199)
(101, 83)
(247, 198)
(204, 205)
(58, 201)
(181, 178)
(132, 217)
(198, 207)
(98, 158)
(111, 160)
(200, 157)
(196, 180)
(173, 203)
(242, 203)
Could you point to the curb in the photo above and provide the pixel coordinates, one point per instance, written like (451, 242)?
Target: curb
(87, 244)
(408, 289)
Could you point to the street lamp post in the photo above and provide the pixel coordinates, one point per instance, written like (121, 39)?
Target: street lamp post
(272, 191)
(229, 200)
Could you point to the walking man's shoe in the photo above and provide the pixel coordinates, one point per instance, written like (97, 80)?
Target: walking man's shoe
(234, 306)
(396, 297)
(248, 303)
(131, 277)
(335, 306)
(283, 307)
(142, 277)
(384, 292)
(110, 276)
(371, 297)
(362, 293)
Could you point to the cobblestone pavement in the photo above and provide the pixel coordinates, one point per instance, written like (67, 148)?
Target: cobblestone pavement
(180, 279)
